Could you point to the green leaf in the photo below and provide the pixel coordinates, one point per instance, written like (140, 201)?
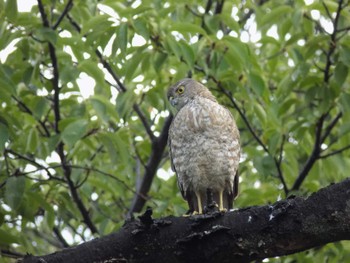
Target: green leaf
(257, 83)
(93, 23)
(125, 101)
(122, 37)
(5, 237)
(32, 141)
(40, 106)
(100, 108)
(344, 129)
(237, 52)
(140, 26)
(11, 9)
(173, 46)
(14, 191)
(47, 34)
(132, 66)
(159, 59)
(344, 55)
(4, 136)
(185, 27)
(230, 22)
(286, 105)
(260, 112)
(273, 141)
(74, 131)
(187, 53)
(50, 217)
(108, 143)
(275, 15)
(340, 73)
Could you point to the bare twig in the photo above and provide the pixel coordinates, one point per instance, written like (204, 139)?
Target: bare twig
(328, 12)
(108, 175)
(67, 8)
(323, 156)
(60, 238)
(144, 121)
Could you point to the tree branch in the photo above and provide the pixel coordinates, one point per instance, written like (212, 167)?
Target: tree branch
(60, 147)
(330, 127)
(67, 171)
(60, 238)
(67, 8)
(335, 152)
(278, 163)
(158, 146)
(254, 233)
(314, 154)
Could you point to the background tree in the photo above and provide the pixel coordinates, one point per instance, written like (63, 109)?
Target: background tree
(84, 118)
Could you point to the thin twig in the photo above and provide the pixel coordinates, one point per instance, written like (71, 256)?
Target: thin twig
(330, 127)
(60, 238)
(67, 8)
(334, 152)
(328, 12)
(144, 121)
(332, 44)
(29, 111)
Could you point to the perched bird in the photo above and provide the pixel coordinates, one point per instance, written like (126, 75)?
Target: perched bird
(204, 147)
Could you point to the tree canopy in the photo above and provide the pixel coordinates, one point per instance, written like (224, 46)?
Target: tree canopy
(84, 117)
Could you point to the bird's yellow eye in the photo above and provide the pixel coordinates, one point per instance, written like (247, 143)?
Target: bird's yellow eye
(180, 90)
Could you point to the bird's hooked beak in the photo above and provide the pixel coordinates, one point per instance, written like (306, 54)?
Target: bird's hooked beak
(173, 101)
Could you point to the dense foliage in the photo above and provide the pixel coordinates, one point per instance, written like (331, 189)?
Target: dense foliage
(84, 117)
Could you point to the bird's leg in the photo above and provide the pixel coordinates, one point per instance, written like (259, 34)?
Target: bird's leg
(199, 203)
(221, 205)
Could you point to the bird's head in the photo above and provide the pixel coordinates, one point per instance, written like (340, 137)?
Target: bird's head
(185, 90)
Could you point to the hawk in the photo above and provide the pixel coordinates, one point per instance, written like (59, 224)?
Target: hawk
(204, 147)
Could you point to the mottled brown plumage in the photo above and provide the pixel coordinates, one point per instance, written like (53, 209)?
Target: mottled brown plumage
(204, 146)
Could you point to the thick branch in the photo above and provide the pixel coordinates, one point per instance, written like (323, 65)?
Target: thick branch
(158, 146)
(253, 233)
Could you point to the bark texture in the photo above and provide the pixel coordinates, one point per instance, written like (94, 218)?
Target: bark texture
(285, 227)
